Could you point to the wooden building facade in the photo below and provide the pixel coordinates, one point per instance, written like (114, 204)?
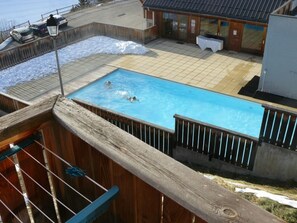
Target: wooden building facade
(241, 24)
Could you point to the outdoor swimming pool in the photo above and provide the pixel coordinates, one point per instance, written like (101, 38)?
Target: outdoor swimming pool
(157, 100)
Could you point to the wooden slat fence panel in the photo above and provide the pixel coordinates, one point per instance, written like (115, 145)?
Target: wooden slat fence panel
(40, 46)
(150, 34)
(34, 172)
(148, 203)
(218, 143)
(157, 137)
(10, 104)
(137, 201)
(17, 204)
(174, 213)
(279, 128)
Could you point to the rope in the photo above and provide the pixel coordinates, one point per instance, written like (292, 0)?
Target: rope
(58, 177)
(43, 188)
(26, 198)
(64, 161)
(10, 211)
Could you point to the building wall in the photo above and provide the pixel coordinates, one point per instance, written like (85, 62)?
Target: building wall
(279, 69)
(275, 163)
(271, 162)
(237, 35)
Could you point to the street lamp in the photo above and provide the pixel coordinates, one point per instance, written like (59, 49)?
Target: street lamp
(53, 30)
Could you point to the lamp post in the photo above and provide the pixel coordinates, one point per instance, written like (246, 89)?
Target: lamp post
(53, 30)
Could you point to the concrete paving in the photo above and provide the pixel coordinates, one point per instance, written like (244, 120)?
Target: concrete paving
(127, 13)
(225, 71)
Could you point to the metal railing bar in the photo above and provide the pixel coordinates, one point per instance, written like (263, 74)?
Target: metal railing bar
(280, 126)
(273, 123)
(45, 190)
(58, 177)
(64, 161)
(287, 127)
(293, 132)
(11, 184)
(11, 212)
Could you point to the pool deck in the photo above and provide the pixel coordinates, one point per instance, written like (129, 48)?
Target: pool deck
(224, 71)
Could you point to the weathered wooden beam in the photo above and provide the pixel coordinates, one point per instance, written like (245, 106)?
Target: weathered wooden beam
(24, 120)
(15, 138)
(188, 188)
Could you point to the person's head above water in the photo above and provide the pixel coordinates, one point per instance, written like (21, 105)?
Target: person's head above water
(131, 99)
(107, 83)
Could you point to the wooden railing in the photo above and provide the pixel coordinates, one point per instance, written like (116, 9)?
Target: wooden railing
(156, 136)
(36, 48)
(215, 142)
(10, 104)
(279, 128)
(58, 11)
(138, 35)
(40, 46)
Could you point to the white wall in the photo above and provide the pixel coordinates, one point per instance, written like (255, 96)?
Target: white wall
(279, 69)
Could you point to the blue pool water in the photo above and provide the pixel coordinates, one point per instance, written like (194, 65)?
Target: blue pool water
(158, 100)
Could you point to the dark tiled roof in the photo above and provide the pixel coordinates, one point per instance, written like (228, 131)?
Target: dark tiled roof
(251, 10)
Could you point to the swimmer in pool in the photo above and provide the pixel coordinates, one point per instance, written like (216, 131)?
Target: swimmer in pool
(132, 99)
(108, 84)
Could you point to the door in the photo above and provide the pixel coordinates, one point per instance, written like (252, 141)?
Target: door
(193, 29)
(182, 27)
(235, 36)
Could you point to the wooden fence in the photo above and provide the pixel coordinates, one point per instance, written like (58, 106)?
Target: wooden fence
(279, 128)
(156, 136)
(218, 143)
(44, 45)
(10, 104)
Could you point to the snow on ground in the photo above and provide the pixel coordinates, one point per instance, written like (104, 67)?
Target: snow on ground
(260, 193)
(46, 64)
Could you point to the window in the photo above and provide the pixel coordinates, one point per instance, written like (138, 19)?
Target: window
(170, 23)
(175, 26)
(224, 29)
(208, 26)
(252, 37)
(193, 26)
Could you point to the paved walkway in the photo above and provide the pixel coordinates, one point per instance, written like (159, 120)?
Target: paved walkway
(224, 71)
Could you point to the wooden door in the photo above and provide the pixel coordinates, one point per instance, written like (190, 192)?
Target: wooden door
(235, 36)
(193, 28)
(182, 27)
